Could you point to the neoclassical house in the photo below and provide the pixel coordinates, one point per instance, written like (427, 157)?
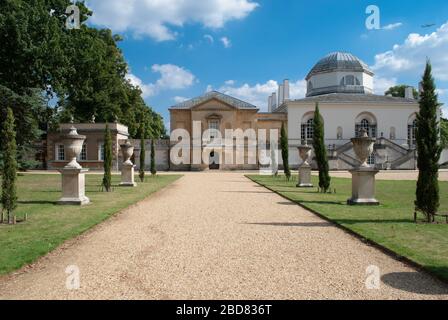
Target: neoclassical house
(342, 85)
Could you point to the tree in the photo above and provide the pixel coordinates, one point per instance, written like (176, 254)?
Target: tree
(9, 176)
(444, 132)
(285, 152)
(107, 178)
(321, 151)
(142, 152)
(399, 91)
(153, 158)
(428, 148)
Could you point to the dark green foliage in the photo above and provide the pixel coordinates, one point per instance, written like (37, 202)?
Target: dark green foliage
(428, 148)
(142, 152)
(444, 133)
(153, 158)
(107, 179)
(9, 175)
(399, 91)
(285, 152)
(321, 151)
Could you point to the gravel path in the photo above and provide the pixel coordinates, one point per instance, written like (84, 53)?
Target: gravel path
(217, 236)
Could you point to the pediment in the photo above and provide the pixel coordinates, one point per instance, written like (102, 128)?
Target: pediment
(213, 104)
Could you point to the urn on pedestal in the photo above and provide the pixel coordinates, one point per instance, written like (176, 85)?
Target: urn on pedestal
(73, 175)
(304, 168)
(363, 177)
(127, 168)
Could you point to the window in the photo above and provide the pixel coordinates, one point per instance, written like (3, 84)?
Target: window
(350, 80)
(371, 159)
(307, 130)
(60, 152)
(412, 128)
(101, 151)
(365, 124)
(83, 154)
(213, 125)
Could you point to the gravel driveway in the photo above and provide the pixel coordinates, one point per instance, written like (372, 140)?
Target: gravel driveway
(218, 236)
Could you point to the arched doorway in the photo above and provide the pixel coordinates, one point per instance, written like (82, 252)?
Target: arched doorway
(213, 161)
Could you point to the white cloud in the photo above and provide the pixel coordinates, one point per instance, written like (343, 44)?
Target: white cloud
(155, 18)
(381, 85)
(179, 99)
(410, 56)
(226, 42)
(172, 77)
(392, 26)
(258, 94)
(209, 38)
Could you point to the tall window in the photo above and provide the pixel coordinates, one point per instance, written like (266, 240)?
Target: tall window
(101, 151)
(411, 133)
(60, 152)
(366, 125)
(307, 130)
(213, 125)
(371, 159)
(83, 154)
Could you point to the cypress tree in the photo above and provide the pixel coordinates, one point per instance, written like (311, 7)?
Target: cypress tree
(107, 179)
(428, 148)
(320, 151)
(285, 152)
(9, 177)
(141, 172)
(153, 158)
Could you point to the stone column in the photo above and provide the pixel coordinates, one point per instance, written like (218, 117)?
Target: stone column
(73, 175)
(363, 177)
(304, 168)
(127, 169)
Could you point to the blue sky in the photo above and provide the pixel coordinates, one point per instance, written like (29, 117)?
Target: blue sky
(179, 49)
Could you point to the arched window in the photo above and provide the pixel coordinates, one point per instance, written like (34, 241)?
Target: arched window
(368, 123)
(307, 130)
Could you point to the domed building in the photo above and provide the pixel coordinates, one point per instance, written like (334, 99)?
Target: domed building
(343, 86)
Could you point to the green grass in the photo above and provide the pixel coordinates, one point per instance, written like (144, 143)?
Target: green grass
(390, 225)
(49, 225)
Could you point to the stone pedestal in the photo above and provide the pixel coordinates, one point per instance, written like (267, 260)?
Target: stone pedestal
(363, 177)
(304, 168)
(127, 169)
(73, 187)
(305, 176)
(73, 175)
(363, 187)
(127, 175)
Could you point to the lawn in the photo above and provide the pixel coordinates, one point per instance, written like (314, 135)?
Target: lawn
(49, 225)
(390, 225)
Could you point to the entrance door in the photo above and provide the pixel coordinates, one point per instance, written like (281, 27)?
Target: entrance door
(214, 161)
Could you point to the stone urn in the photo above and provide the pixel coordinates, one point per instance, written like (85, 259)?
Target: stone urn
(127, 169)
(73, 143)
(304, 168)
(127, 150)
(73, 175)
(304, 153)
(363, 147)
(363, 177)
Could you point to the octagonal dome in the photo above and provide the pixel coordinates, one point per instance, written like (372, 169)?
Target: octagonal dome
(340, 72)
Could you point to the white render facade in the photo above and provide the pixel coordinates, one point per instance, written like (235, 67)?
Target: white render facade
(342, 85)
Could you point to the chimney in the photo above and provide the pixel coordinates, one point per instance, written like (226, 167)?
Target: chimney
(285, 90)
(274, 101)
(280, 95)
(270, 104)
(409, 92)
